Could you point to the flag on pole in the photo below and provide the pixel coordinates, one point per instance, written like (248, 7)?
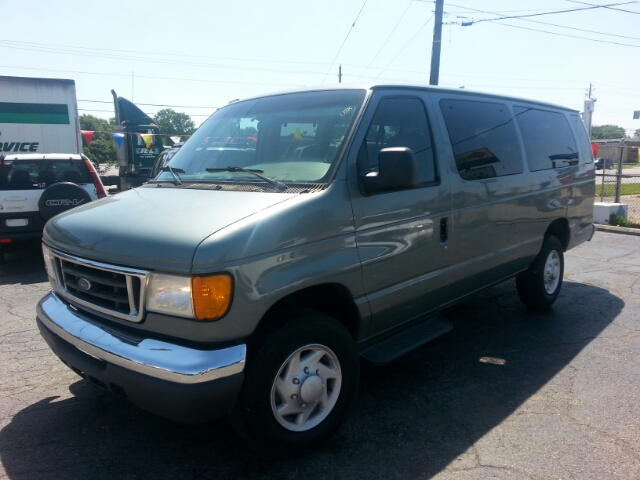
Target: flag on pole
(87, 135)
(118, 138)
(147, 139)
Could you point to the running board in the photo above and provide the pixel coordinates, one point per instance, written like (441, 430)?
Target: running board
(391, 348)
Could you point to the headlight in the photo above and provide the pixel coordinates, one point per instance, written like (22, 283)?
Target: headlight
(49, 264)
(202, 298)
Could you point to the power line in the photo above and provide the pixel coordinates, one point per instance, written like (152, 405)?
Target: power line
(618, 86)
(151, 104)
(154, 77)
(584, 30)
(636, 96)
(504, 11)
(199, 80)
(385, 42)
(344, 41)
(549, 13)
(17, 43)
(546, 31)
(15, 46)
(561, 26)
(385, 69)
(181, 55)
(150, 114)
(607, 7)
(406, 45)
(570, 36)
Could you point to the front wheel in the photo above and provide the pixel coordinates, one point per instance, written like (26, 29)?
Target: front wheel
(539, 286)
(298, 388)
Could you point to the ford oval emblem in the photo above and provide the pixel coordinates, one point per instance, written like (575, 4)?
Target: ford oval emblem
(84, 284)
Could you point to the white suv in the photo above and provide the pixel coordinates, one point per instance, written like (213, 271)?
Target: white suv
(35, 187)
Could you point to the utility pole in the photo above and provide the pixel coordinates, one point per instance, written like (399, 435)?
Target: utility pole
(340, 74)
(589, 107)
(437, 41)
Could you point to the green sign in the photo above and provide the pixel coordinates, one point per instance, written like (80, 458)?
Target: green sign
(39, 113)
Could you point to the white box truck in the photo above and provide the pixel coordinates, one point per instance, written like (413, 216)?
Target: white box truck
(38, 115)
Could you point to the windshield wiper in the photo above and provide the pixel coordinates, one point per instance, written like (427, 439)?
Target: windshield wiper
(276, 184)
(173, 171)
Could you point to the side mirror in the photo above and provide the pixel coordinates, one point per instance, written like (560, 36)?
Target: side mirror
(397, 170)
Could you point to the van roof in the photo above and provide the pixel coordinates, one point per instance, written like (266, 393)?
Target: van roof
(412, 86)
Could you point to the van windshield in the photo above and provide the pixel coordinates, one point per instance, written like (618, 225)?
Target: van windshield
(289, 138)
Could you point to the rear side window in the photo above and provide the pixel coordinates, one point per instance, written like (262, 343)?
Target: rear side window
(483, 137)
(548, 141)
(582, 138)
(34, 174)
(400, 122)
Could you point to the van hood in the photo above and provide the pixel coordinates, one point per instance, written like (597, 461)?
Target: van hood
(153, 228)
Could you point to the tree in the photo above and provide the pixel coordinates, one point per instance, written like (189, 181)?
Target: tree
(607, 131)
(174, 123)
(103, 146)
(636, 134)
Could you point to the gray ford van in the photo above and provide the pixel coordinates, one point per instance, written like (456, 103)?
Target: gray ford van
(250, 278)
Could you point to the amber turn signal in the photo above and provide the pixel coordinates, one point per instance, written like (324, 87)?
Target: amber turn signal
(211, 296)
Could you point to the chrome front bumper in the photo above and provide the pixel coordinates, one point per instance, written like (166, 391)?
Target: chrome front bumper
(157, 359)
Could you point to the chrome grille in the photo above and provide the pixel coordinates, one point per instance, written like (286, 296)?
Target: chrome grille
(104, 288)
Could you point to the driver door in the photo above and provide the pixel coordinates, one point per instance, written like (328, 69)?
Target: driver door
(402, 236)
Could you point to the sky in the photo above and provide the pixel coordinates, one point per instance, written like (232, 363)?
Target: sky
(197, 55)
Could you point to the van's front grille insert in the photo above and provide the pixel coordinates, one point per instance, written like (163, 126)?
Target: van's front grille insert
(109, 289)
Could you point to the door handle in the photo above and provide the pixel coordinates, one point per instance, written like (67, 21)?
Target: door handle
(444, 233)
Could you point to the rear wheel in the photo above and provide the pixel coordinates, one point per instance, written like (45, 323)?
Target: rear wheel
(539, 286)
(299, 387)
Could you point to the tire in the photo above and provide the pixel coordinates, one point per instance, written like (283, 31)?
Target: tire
(308, 367)
(539, 286)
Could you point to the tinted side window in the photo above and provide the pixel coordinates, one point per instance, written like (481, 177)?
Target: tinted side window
(583, 138)
(483, 137)
(400, 122)
(548, 141)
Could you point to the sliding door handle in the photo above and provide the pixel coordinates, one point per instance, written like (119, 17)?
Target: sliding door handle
(444, 229)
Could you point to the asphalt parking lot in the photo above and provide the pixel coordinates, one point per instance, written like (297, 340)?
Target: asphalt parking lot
(508, 394)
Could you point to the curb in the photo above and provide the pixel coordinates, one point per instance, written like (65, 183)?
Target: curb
(623, 230)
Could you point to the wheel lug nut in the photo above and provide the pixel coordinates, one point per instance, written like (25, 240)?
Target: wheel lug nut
(306, 370)
(303, 405)
(318, 372)
(296, 381)
(294, 396)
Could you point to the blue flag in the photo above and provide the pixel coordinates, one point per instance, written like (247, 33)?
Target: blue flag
(118, 138)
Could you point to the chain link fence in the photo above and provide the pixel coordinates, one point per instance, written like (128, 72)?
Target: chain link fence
(618, 177)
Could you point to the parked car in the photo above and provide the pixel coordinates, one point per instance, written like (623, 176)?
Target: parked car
(256, 279)
(164, 157)
(603, 163)
(35, 187)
